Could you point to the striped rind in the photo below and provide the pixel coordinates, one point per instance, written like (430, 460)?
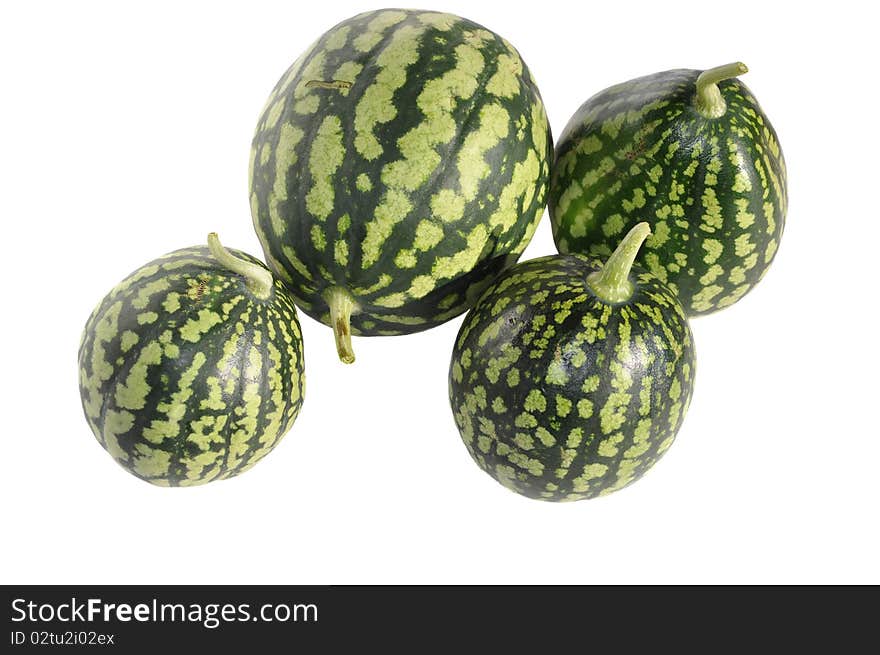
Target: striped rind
(560, 396)
(185, 376)
(410, 174)
(713, 190)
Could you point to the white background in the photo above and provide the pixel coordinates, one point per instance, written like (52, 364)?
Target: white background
(125, 133)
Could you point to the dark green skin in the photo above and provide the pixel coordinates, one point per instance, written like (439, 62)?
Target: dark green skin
(310, 269)
(149, 322)
(620, 374)
(662, 167)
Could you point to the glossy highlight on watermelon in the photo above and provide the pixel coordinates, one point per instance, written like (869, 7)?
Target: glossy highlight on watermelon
(570, 378)
(692, 153)
(400, 164)
(191, 368)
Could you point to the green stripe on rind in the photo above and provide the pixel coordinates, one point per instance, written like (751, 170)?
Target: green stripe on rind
(713, 190)
(440, 182)
(560, 396)
(185, 376)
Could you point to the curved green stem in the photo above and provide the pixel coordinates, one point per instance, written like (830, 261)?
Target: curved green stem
(259, 280)
(708, 99)
(341, 306)
(611, 283)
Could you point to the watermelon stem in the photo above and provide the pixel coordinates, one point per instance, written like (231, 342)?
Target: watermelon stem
(328, 84)
(611, 283)
(258, 279)
(708, 99)
(341, 306)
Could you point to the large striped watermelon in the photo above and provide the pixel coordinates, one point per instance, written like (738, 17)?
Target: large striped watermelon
(570, 378)
(690, 152)
(191, 368)
(399, 165)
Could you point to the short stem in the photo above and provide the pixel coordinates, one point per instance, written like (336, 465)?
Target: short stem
(328, 84)
(611, 283)
(259, 280)
(341, 307)
(708, 99)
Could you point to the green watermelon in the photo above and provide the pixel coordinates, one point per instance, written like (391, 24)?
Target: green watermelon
(191, 368)
(400, 164)
(690, 152)
(570, 379)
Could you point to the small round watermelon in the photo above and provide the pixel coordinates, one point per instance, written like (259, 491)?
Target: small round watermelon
(692, 153)
(400, 164)
(191, 368)
(570, 378)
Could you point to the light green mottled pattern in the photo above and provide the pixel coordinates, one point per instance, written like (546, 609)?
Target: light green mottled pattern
(326, 156)
(418, 171)
(185, 376)
(376, 106)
